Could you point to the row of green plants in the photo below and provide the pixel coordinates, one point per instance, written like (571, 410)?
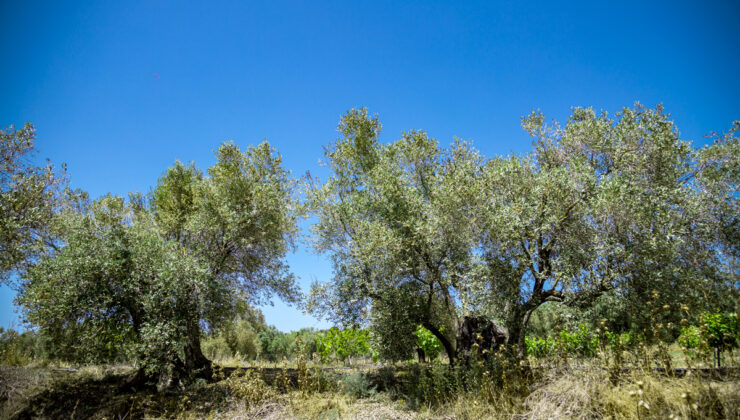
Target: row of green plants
(714, 334)
(717, 330)
(271, 345)
(249, 340)
(259, 344)
(579, 342)
(344, 344)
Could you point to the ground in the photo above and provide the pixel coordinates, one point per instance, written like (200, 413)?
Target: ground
(403, 392)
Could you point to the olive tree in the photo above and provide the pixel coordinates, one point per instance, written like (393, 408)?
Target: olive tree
(156, 271)
(600, 206)
(239, 221)
(29, 197)
(718, 183)
(117, 283)
(388, 218)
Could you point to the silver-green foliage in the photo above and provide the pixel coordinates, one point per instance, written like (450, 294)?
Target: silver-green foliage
(147, 273)
(115, 281)
(29, 197)
(389, 218)
(604, 206)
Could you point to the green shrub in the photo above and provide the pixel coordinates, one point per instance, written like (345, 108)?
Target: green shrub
(428, 342)
(720, 330)
(540, 347)
(691, 338)
(620, 341)
(581, 342)
(357, 385)
(343, 344)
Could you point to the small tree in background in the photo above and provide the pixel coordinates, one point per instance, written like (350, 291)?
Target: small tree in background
(343, 344)
(428, 343)
(721, 331)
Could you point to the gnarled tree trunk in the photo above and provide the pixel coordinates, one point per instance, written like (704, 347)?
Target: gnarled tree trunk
(196, 364)
(478, 336)
(517, 326)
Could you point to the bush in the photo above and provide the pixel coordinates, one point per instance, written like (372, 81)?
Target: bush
(720, 330)
(580, 342)
(357, 385)
(343, 344)
(691, 338)
(428, 342)
(540, 347)
(248, 387)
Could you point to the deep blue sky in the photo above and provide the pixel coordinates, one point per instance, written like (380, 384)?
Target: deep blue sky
(84, 74)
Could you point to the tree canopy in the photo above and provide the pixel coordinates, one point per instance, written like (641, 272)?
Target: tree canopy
(605, 214)
(29, 197)
(388, 217)
(602, 208)
(155, 271)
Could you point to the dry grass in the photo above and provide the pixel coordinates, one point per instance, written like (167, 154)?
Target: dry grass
(590, 393)
(18, 384)
(296, 405)
(585, 392)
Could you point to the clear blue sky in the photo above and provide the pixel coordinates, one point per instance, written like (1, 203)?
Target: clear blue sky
(84, 74)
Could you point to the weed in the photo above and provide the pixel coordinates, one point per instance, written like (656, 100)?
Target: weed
(248, 387)
(357, 385)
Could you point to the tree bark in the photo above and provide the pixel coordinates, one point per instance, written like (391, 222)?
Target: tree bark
(421, 354)
(517, 326)
(138, 380)
(196, 363)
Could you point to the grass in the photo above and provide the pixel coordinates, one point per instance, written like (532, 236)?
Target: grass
(238, 361)
(572, 388)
